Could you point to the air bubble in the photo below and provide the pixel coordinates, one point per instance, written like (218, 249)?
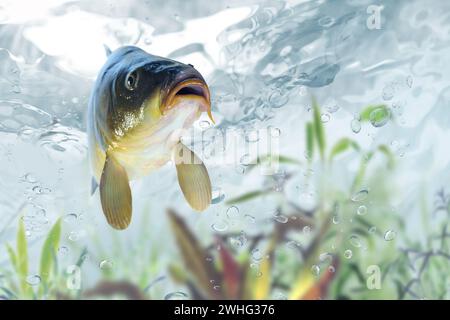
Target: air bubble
(293, 244)
(217, 195)
(275, 132)
(256, 255)
(106, 265)
(33, 280)
(379, 116)
(178, 295)
(355, 241)
(360, 195)
(362, 210)
(41, 190)
(388, 92)
(250, 218)
(220, 226)
(409, 81)
(204, 124)
(245, 160)
(239, 241)
(355, 125)
(306, 229)
(326, 21)
(390, 235)
(63, 250)
(30, 178)
(74, 236)
(240, 169)
(70, 218)
(315, 270)
(325, 117)
(232, 212)
(348, 254)
(336, 219)
(280, 218)
(16, 89)
(252, 136)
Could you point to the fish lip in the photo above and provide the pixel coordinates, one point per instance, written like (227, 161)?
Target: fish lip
(196, 86)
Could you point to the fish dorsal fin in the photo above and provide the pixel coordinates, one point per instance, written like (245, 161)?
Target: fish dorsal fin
(108, 51)
(115, 194)
(192, 177)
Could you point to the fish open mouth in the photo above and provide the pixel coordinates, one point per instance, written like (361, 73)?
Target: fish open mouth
(192, 89)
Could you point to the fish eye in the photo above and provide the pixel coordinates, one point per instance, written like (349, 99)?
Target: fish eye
(131, 80)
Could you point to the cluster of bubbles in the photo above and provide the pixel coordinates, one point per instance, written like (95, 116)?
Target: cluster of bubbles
(281, 72)
(380, 116)
(34, 213)
(356, 241)
(257, 256)
(231, 217)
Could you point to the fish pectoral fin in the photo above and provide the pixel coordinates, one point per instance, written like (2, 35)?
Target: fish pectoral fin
(115, 194)
(193, 178)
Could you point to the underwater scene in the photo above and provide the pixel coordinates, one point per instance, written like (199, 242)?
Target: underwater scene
(238, 149)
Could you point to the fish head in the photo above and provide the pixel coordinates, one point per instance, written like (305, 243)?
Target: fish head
(184, 84)
(134, 84)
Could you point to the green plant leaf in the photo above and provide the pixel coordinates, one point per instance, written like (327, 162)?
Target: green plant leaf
(256, 281)
(304, 282)
(261, 288)
(12, 256)
(177, 273)
(22, 257)
(343, 145)
(365, 161)
(362, 170)
(318, 128)
(82, 257)
(387, 152)
(366, 113)
(49, 251)
(9, 293)
(310, 140)
(267, 158)
(288, 160)
(247, 196)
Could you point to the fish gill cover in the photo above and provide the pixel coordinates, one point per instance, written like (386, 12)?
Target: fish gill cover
(328, 158)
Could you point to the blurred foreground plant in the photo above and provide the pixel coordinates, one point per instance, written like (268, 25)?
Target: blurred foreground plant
(421, 270)
(25, 286)
(301, 254)
(329, 262)
(233, 277)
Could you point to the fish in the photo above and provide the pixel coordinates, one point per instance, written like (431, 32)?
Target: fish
(138, 108)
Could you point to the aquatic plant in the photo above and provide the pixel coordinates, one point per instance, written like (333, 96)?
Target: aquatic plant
(36, 286)
(315, 267)
(320, 252)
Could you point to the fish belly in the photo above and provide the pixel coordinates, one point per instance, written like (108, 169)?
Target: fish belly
(149, 146)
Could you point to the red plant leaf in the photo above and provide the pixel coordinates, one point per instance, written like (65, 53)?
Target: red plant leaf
(231, 272)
